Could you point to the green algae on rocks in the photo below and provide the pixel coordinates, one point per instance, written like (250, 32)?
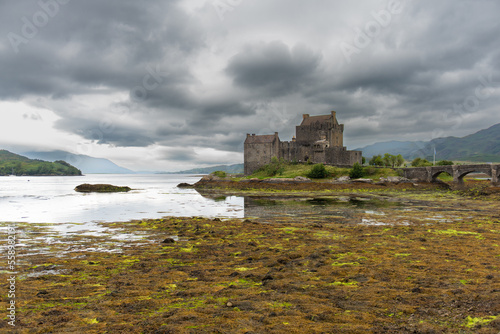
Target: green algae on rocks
(100, 188)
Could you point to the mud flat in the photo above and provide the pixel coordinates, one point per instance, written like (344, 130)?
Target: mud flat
(434, 268)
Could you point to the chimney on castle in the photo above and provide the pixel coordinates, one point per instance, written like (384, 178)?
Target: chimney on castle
(304, 116)
(334, 114)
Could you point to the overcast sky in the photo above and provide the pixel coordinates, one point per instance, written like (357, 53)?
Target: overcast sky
(170, 85)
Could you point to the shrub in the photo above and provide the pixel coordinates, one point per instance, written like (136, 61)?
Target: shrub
(370, 171)
(219, 173)
(318, 171)
(419, 162)
(276, 167)
(356, 171)
(444, 163)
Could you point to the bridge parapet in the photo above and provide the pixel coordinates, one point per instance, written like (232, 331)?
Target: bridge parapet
(429, 174)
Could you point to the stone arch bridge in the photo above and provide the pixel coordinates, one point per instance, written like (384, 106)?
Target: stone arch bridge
(429, 174)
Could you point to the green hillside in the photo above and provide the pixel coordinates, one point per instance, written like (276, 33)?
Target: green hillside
(482, 146)
(231, 169)
(15, 164)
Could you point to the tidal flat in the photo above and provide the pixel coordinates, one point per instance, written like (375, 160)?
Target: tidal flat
(346, 261)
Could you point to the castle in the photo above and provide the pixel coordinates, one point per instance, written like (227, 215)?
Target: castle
(319, 139)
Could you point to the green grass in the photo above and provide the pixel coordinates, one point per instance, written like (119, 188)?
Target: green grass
(291, 171)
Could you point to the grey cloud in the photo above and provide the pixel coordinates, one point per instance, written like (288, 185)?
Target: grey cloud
(115, 135)
(273, 68)
(181, 154)
(93, 44)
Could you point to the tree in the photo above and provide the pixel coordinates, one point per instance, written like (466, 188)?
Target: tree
(356, 171)
(444, 163)
(318, 171)
(419, 162)
(376, 160)
(399, 160)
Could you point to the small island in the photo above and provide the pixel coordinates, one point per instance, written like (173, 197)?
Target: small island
(100, 188)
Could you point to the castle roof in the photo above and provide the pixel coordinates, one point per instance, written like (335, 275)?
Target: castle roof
(313, 119)
(260, 139)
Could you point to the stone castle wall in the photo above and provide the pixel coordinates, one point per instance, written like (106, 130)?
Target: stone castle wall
(319, 140)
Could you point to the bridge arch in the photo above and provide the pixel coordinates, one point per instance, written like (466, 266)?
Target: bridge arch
(436, 174)
(461, 174)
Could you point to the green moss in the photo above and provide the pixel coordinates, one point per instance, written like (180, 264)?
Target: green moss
(471, 322)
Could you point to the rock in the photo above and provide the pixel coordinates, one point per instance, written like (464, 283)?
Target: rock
(344, 179)
(363, 180)
(251, 180)
(207, 178)
(229, 304)
(278, 180)
(42, 293)
(168, 241)
(302, 179)
(185, 185)
(100, 188)
(416, 290)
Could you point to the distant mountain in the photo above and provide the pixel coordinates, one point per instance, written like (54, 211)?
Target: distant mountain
(405, 148)
(87, 164)
(482, 146)
(232, 169)
(14, 164)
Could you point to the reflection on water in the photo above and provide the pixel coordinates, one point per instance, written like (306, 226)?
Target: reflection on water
(333, 208)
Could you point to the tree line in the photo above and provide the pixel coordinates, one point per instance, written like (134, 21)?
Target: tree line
(390, 160)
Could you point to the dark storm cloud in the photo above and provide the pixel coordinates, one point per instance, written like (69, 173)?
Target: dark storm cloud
(273, 68)
(267, 63)
(101, 133)
(94, 43)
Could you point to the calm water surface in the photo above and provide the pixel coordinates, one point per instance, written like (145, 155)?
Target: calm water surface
(53, 199)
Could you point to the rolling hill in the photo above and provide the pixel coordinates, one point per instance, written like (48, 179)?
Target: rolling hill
(14, 164)
(87, 164)
(482, 146)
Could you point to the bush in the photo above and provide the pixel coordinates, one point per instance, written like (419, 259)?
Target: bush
(219, 173)
(444, 163)
(370, 171)
(318, 171)
(419, 162)
(356, 171)
(276, 167)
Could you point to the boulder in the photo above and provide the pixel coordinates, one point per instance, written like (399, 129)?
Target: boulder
(278, 180)
(394, 179)
(100, 188)
(185, 185)
(363, 180)
(344, 179)
(302, 179)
